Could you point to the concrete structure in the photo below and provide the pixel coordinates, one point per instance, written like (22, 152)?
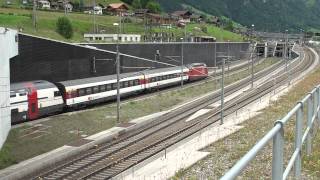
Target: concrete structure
(52, 60)
(43, 4)
(8, 49)
(113, 37)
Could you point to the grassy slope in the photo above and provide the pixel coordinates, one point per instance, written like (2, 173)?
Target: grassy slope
(83, 23)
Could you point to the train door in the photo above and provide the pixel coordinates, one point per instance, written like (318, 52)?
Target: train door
(33, 109)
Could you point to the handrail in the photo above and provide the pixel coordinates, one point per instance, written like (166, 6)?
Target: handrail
(312, 103)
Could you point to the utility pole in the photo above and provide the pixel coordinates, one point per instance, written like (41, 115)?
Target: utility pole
(285, 51)
(222, 92)
(34, 16)
(252, 65)
(94, 16)
(118, 70)
(65, 7)
(182, 59)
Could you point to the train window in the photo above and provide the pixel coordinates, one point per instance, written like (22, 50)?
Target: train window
(57, 93)
(164, 77)
(114, 86)
(109, 87)
(22, 94)
(102, 88)
(13, 95)
(136, 82)
(153, 79)
(95, 89)
(126, 84)
(89, 90)
(131, 83)
(81, 92)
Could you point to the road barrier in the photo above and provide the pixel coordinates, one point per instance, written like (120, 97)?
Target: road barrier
(312, 103)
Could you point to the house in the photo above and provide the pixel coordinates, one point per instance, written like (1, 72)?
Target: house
(112, 37)
(43, 4)
(93, 10)
(62, 5)
(182, 15)
(214, 20)
(157, 19)
(141, 13)
(196, 18)
(117, 8)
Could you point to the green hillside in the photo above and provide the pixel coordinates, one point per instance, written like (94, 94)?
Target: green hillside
(83, 23)
(267, 15)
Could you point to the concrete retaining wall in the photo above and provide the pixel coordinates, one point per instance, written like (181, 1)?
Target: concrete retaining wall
(45, 59)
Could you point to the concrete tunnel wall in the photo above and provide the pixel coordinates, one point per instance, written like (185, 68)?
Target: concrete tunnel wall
(8, 49)
(45, 59)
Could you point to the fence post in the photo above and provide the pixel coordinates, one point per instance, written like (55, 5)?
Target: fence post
(298, 139)
(277, 153)
(309, 125)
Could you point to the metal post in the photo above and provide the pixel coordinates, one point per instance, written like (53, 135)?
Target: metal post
(289, 75)
(309, 116)
(182, 52)
(34, 15)
(252, 72)
(118, 73)
(222, 92)
(277, 153)
(285, 51)
(298, 143)
(94, 16)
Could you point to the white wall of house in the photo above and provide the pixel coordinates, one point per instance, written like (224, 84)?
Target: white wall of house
(44, 4)
(8, 49)
(113, 37)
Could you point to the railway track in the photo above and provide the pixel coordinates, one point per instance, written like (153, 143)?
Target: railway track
(114, 157)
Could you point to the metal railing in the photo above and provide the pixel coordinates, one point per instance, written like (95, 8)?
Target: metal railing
(312, 103)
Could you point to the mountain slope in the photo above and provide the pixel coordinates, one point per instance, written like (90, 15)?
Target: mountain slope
(271, 15)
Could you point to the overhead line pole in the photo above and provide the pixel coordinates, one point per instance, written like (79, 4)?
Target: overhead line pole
(118, 71)
(222, 93)
(182, 59)
(34, 18)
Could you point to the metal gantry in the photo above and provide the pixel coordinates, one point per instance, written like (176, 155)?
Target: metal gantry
(312, 103)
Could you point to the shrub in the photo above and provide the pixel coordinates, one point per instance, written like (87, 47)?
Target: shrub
(64, 27)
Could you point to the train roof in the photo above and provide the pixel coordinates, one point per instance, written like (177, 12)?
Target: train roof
(38, 84)
(97, 79)
(114, 76)
(153, 71)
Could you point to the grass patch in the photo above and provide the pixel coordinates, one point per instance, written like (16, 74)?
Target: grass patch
(27, 142)
(226, 152)
(83, 23)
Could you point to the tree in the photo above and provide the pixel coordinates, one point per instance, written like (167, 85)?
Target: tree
(136, 4)
(153, 6)
(229, 26)
(64, 27)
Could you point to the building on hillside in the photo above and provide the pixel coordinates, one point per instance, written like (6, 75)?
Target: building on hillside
(62, 5)
(196, 18)
(203, 39)
(93, 10)
(112, 37)
(182, 15)
(214, 20)
(158, 19)
(141, 13)
(117, 8)
(43, 4)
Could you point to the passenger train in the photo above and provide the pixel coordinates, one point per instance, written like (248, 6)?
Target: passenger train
(35, 99)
